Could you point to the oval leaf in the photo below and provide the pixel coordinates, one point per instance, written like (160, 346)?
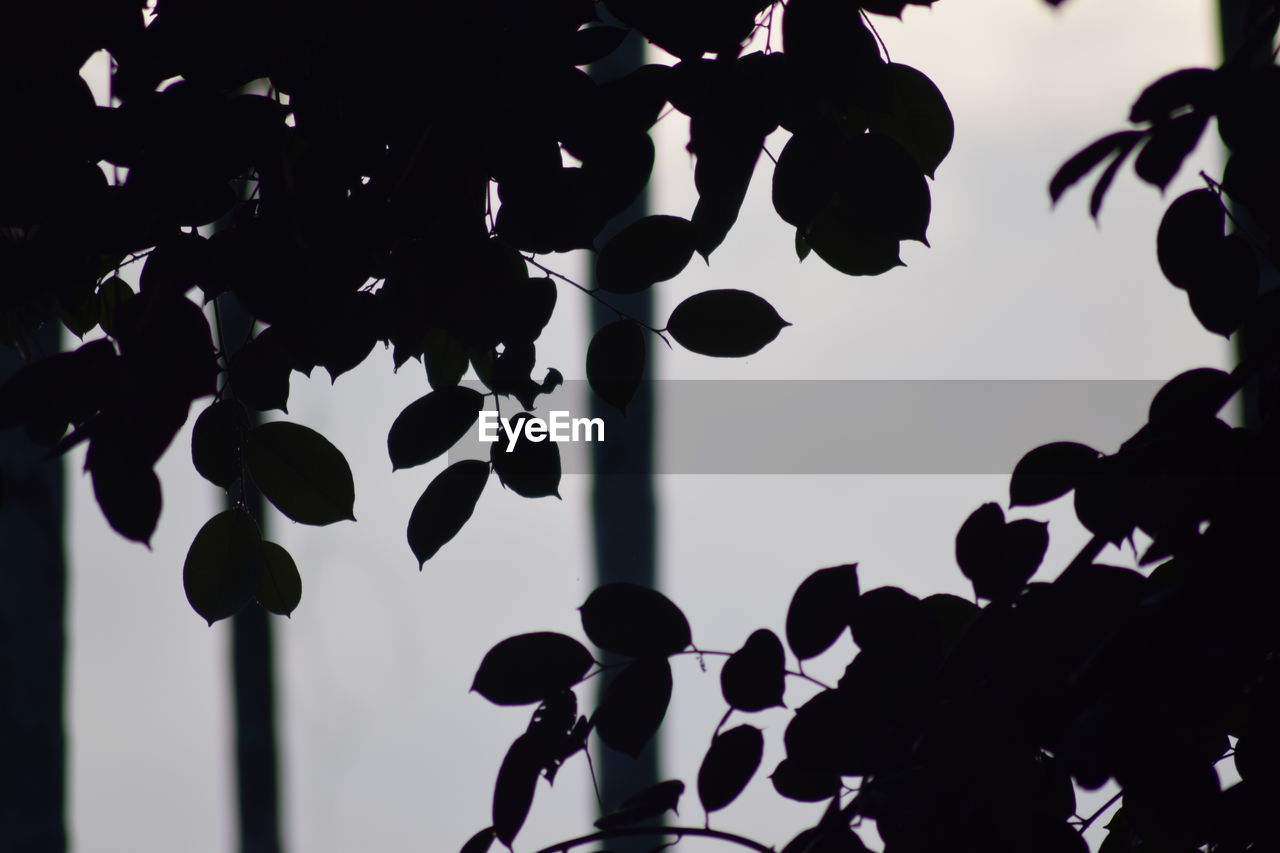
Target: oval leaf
(820, 609)
(731, 761)
(224, 565)
(513, 791)
(129, 496)
(649, 250)
(480, 842)
(300, 472)
(634, 704)
(430, 425)
(633, 620)
(530, 467)
(1049, 472)
(725, 323)
(798, 781)
(259, 372)
(280, 588)
(615, 362)
(215, 442)
(918, 117)
(531, 667)
(445, 507)
(754, 677)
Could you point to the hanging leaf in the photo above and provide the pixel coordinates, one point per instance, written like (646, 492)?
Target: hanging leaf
(224, 565)
(645, 805)
(634, 704)
(445, 358)
(530, 467)
(725, 323)
(1088, 159)
(1224, 302)
(918, 117)
(1187, 87)
(259, 373)
(513, 791)
(129, 496)
(300, 472)
(754, 677)
(615, 362)
(820, 609)
(445, 506)
(280, 588)
(215, 442)
(530, 668)
(999, 557)
(652, 249)
(1190, 234)
(1049, 472)
(432, 424)
(480, 842)
(1109, 175)
(798, 781)
(729, 765)
(1170, 143)
(633, 620)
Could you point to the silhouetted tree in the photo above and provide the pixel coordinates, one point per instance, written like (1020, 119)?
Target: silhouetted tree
(412, 196)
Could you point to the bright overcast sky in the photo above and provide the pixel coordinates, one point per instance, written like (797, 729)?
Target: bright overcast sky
(384, 748)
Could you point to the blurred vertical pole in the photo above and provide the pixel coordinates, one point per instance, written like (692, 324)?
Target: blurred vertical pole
(1237, 20)
(32, 635)
(622, 502)
(252, 665)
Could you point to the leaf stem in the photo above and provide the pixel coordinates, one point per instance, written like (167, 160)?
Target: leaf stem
(1087, 822)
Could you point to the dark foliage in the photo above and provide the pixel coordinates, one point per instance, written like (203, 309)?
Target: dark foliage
(359, 201)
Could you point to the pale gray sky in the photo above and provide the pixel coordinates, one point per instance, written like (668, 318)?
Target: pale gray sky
(384, 748)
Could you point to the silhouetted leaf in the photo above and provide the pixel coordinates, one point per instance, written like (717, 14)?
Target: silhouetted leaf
(1189, 235)
(480, 842)
(999, 558)
(1108, 175)
(113, 293)
(1193, 395)
(529, 668)
(280, 588)
(644, 805)
(1223, 303)
(215, 442)
(432, 424)
(729, 765)
(300, 472)
(129, 496)
(615, 362)
(633, 620)
(224, 565)
(591, 44)
(754, 677)
(634, 704)
(797, 781)
(652, 249)
(725, 323)
(1088, 159)
(530, 467)
(820, 609)
(1048, 472)
(1187, 87)
(513, 791)
(826, 839)
(445, 506)
(1170, 143)
(445, 359)
(918, 117)
(259, 373)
